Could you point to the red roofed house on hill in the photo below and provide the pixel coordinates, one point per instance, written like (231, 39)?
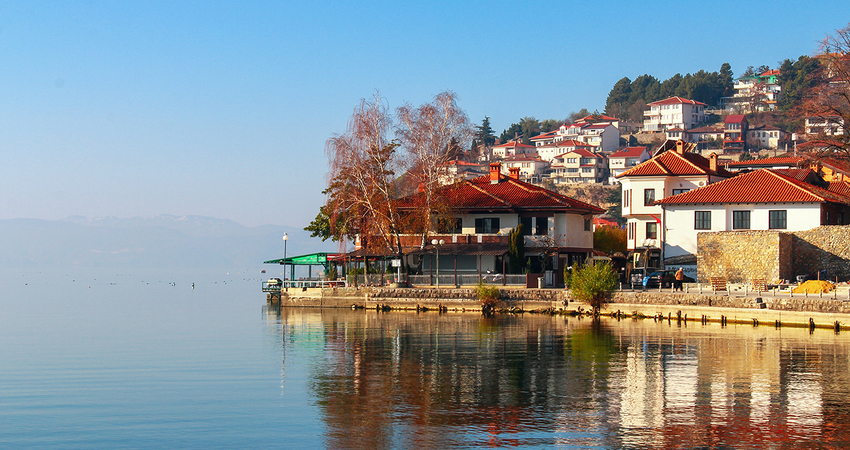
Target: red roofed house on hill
(735, 133)
(766, 199)
(673, 112)
(578, 166)
(512, 148)
(624, 160)
(673, 170)
(485, 210)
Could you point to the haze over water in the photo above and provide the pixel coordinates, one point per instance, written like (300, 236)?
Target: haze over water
(124, 359)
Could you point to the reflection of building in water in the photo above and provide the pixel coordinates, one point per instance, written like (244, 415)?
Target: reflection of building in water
(435, 381)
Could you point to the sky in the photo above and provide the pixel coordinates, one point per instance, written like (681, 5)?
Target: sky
(222, 109)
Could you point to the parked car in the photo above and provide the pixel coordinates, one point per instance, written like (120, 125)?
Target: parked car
(665, 278)
(638, 273)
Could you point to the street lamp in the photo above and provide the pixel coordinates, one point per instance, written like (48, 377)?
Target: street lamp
(285, 238)
(437, 245)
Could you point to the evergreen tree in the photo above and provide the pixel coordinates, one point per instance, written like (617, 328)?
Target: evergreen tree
(516, 249)
(484, 132)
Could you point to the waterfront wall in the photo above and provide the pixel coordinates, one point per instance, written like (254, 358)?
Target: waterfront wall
(741, 256)
(800, 311)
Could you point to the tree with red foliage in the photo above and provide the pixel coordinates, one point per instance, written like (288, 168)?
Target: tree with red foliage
(827, 101)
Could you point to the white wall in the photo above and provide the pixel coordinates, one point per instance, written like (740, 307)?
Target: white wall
(681, 237)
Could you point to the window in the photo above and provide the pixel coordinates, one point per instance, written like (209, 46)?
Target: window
(702, 220)
(487, 225)
(572, 169)
(587, 224)
(652, 230)
(679, 191)
(631, 231)
(777, 220)
(587, 169)
(456, 226)
(648, 197)
(541, 226)
(740, 220)
(627, 194)
(526, 226)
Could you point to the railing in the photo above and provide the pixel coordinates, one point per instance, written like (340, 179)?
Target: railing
(278, 286)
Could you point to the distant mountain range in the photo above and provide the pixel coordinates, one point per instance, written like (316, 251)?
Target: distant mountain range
(158, 241)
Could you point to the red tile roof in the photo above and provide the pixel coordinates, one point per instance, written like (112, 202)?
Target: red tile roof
(629, 152)
(839, 187)
(760, 186)
(670, 162)
(580, 152)
(513, 144)
(771, 72)
(734, 118)
(544, 135)
(769, 162)
(676, 101)
(601, 118)
(509, 195)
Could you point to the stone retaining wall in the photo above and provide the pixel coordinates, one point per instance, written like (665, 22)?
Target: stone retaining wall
(741, 256)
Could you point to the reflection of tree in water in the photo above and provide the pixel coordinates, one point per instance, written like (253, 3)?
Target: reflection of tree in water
(401, 380)
(405, 381)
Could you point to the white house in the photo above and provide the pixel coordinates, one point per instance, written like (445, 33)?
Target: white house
(578, 166)
(766, 136)
(549, 151)
(512, 148)
(624, 160)
(765, 199)
(673, 112)
(673, 170)
(531, 167)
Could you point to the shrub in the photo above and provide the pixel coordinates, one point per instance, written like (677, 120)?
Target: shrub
(593, 284)
(487, 295)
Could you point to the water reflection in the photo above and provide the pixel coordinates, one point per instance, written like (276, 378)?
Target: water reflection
(402, 380)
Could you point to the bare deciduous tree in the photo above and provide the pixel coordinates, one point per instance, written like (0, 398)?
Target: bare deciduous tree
(828, 101)
(432, 135)
(361, 185)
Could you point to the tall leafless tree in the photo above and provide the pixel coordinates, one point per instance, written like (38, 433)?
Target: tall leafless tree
(432, 135)
(828, 101)
(361, 186)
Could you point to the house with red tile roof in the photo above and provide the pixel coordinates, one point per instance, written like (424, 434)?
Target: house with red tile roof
(531, 167)
(512, 148)
(767, 137)
(758, 92)
(603, 135)
(578, 166)
(558, 229)
(765, 199)
(624, 160)
(673, 112)
(457, 170)
(674, 169)
(735, 133)
(549, 151)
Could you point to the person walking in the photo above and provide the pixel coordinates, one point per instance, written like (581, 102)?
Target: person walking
(680, 275)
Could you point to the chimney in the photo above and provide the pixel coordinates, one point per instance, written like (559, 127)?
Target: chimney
(680, 147)
(712, 162)
(514, 171)
(495, 172)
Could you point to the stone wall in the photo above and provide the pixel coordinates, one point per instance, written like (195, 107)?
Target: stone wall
(823, 248)
(741, 256)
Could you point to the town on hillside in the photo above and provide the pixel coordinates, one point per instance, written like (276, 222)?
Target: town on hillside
(768, 161)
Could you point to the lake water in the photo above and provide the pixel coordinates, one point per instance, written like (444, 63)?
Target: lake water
(118, 359)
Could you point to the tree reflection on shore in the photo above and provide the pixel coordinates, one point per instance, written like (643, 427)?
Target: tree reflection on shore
(402, 380)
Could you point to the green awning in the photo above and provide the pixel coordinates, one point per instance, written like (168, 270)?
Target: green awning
(312, 259)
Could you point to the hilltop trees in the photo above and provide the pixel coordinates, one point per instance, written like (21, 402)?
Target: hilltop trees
(702, 86)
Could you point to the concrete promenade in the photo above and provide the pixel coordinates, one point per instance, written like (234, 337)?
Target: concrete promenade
(738, 305)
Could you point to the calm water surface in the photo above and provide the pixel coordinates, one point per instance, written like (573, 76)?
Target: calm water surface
(134, 359)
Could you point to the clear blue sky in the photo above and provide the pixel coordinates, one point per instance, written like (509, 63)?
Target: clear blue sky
(222, 108)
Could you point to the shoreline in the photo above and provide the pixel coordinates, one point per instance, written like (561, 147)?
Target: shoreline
(734, 308)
